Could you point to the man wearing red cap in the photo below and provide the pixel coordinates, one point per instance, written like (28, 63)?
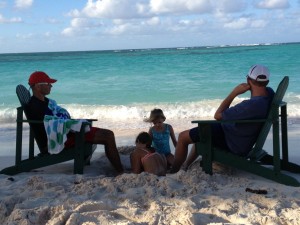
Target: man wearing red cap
(37, 108)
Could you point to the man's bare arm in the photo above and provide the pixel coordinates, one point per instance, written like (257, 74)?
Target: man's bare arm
(240, 89)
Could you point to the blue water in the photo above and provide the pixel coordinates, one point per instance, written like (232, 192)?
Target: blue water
(119, 88)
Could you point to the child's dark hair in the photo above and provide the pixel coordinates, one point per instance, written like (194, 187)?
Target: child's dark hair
(155, 115)
(144, 138)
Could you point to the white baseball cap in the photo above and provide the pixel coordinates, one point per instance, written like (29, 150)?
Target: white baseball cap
(259, 73)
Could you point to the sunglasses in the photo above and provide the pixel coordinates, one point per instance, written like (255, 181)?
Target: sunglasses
(43, 84)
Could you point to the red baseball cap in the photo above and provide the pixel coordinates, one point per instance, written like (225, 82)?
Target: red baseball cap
(40, 77)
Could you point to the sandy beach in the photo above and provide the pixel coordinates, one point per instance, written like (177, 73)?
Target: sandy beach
(54, 195)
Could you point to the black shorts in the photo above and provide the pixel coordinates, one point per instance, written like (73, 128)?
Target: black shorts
(218, 136)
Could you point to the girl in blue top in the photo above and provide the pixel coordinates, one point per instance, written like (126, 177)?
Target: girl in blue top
(161, 133)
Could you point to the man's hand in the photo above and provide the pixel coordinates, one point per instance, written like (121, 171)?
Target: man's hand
(240, 89)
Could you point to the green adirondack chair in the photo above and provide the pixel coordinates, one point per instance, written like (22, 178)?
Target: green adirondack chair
(254, 162)
(81, 153)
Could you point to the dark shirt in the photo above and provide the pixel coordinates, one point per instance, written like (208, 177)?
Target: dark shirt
(240, 137)
(36, 110)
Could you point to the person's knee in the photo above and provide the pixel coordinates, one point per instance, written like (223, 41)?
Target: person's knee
(184, 137)
(180, 136)
(110, 134)
(104, 136)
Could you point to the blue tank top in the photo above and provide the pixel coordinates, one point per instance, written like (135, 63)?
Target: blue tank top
(161, 140)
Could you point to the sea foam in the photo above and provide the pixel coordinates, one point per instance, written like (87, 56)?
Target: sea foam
(131, 116)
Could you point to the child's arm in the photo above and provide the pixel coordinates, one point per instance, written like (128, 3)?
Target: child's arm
(150, 132)
(172, 134)
(135, 161)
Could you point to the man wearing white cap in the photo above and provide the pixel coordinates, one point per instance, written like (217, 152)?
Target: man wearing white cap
(237, 138)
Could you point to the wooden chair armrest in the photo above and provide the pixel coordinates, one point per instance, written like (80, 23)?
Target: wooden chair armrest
(85, 119)
(228, 121)
(29, 121)
(91, 120)
(282, 103)
(41, 121)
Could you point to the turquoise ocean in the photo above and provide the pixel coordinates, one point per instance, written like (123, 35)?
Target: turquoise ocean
(120, 87)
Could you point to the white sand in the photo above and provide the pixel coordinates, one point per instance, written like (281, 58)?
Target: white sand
(53, 195)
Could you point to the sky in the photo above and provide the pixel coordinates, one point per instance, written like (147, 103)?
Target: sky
(80, 25)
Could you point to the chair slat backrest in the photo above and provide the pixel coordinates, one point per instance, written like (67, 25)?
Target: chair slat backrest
(23, 95)
(277, 99)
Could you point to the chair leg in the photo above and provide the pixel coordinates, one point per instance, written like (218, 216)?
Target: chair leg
(276, 144)
(284, 134)
(19, 136)
(204, 145)
(79, 152)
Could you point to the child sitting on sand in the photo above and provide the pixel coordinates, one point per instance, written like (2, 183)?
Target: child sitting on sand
(144, 158)
(161, 133)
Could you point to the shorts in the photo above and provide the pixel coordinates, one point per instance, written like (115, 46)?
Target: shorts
(218, 136)
(89, 137)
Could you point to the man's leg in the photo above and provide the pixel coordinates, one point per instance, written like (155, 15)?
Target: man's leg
(184, 140)
(170, 159)
(191, 157)
(107, 138)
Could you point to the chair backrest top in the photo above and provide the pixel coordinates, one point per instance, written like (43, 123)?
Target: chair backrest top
(277, 100)
(281, 89)
(23, 95)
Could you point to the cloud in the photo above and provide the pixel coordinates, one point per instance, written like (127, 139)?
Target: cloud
(153, 21)
(197, 6)
(23, 4)
(79, 26)
(245, 22)
(240, 23)
(122, 9)
(273, 4)
(259, 23)
(159, 17)
(151, 12)
(47, 34)
(134, 27)
(52, 21)
(24, 36)
(121, 29)
(153, 26)
(11, 20)
(180, 6)
(229, 6)
(130, 9)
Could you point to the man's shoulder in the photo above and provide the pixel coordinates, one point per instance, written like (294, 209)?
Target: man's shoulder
(35, 109)
(271, 92)
(35, 101)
